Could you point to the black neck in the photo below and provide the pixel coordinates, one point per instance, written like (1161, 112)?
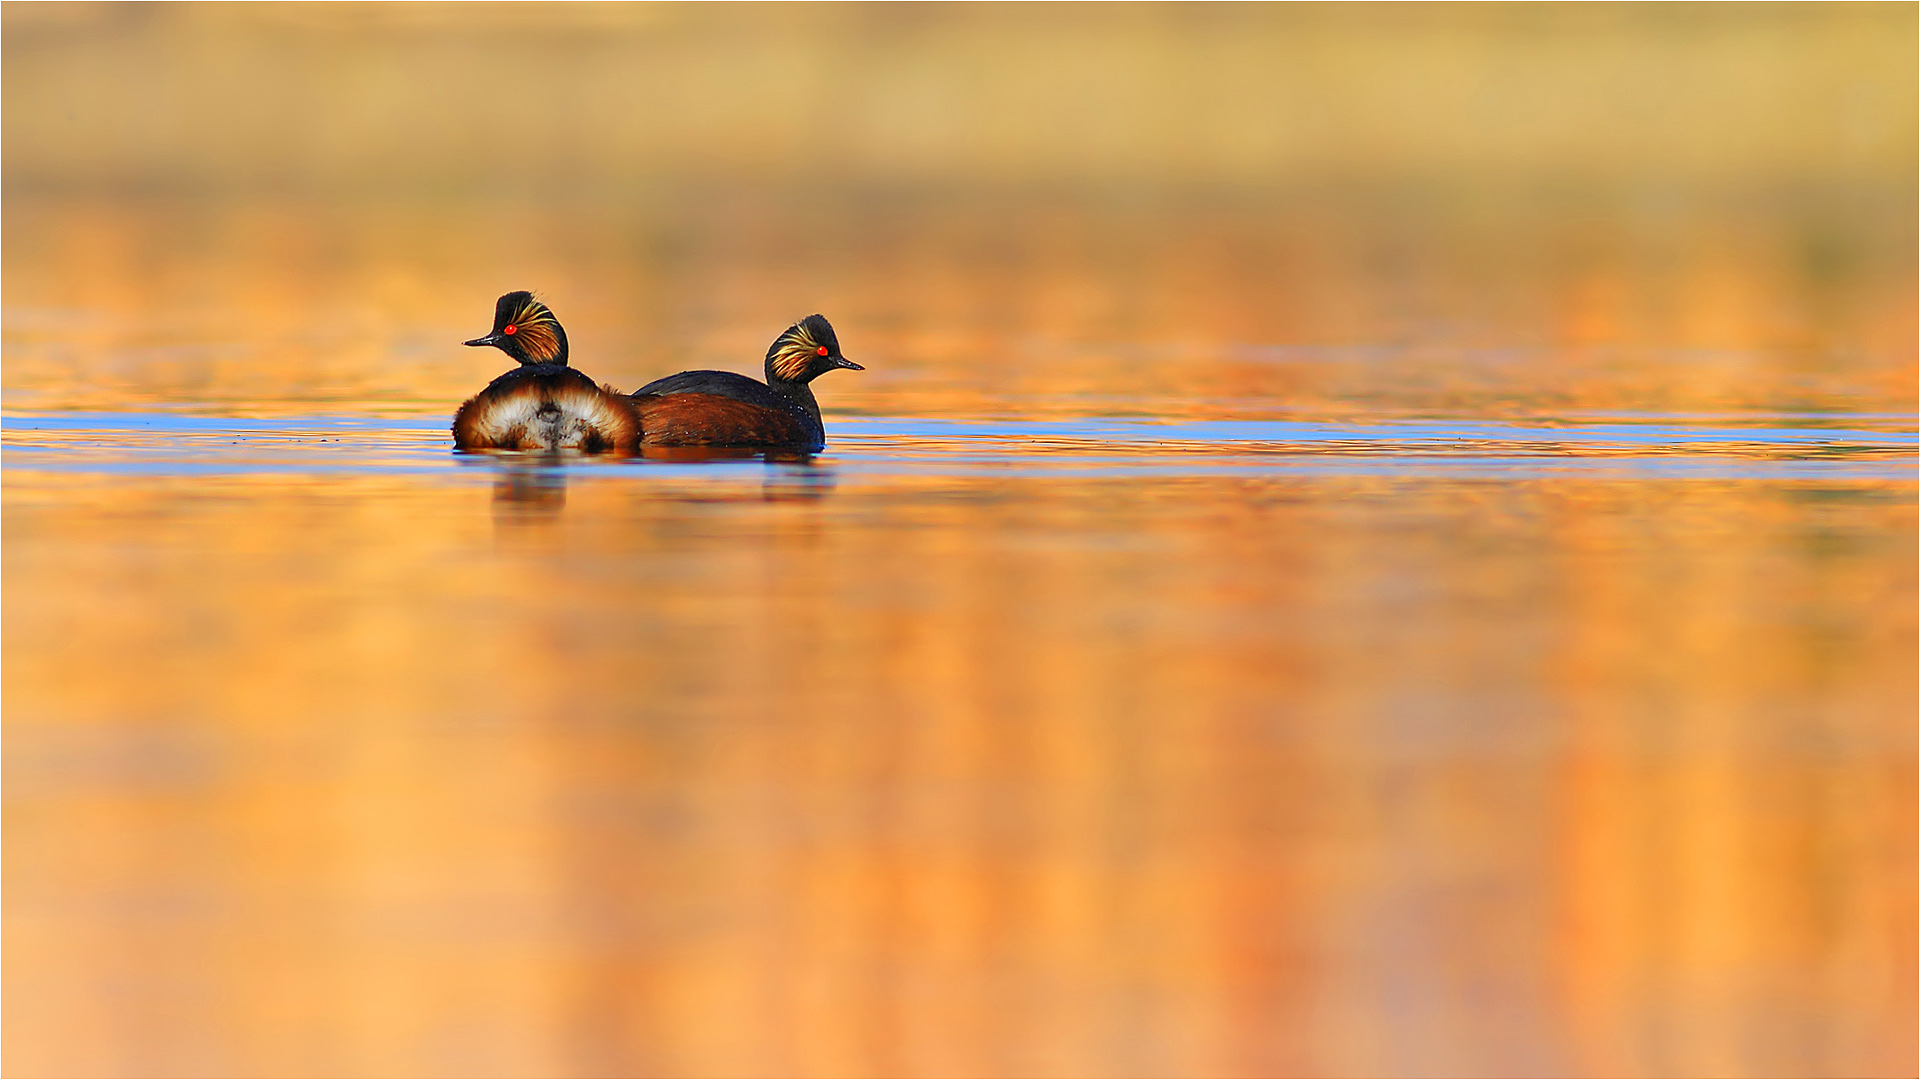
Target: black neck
(798, 392)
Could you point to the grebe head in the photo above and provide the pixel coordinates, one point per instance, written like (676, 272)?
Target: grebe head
(524, 329)
(807, 349)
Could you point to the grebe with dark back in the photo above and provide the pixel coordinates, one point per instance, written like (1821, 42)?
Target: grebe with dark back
(722, 408)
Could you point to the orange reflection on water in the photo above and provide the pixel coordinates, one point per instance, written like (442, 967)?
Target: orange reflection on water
(1108, 764)
(883, 775)
(975, 306)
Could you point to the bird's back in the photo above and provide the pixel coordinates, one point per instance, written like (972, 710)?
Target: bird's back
(719, 384)
(721, 408)
(547, 407)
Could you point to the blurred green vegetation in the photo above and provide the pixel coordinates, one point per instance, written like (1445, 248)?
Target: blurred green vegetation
(452, 99)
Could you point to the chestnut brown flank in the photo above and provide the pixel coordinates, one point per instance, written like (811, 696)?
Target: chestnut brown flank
(712, 420)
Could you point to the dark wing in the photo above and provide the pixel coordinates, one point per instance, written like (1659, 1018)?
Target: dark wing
(689, 419)
(719, 384)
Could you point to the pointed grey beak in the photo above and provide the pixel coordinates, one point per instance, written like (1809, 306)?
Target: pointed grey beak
(841, 361)
(488, 340)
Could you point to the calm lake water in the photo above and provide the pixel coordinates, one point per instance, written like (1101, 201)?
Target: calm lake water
(1222, 636)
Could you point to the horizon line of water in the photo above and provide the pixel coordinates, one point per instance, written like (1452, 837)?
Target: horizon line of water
(170, 443)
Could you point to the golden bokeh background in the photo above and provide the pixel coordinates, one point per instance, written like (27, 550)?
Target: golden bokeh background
(461, 99)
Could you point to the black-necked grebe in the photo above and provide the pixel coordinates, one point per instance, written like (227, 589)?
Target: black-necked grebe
(543, 404)
(721, 408)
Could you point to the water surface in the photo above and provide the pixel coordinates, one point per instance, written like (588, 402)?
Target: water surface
(1483, 657)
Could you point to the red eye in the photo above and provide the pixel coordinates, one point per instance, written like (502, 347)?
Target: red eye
(822, 350)
(508, 329)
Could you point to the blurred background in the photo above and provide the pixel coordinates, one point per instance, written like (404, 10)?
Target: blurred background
(348, 186)
(413, 765)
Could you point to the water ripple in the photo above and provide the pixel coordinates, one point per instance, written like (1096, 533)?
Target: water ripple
(1642, 444)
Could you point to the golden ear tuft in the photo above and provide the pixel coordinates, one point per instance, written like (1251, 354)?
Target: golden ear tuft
(795, 353)
(790, 364)
(535, 329)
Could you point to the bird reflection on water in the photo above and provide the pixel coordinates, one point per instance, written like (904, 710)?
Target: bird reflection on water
(533, 486)
(524, 490)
